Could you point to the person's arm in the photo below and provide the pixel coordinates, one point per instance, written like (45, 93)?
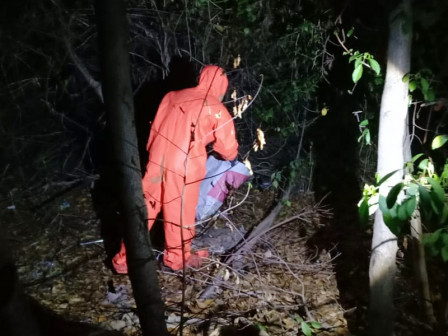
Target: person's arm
(225, 143)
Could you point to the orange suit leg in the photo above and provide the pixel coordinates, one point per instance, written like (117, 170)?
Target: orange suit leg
(173, 211)
(153, 206)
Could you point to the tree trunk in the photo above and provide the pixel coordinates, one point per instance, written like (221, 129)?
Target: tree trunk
(420, 267)
(393, 152)
(115, 68)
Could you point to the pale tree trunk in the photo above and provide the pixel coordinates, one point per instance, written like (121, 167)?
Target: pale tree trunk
(116, 83)
(393, 152)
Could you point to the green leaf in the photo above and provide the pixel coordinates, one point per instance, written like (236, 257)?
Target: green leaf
(357, 73)
(364, 123)
(316, 325)
(437, 190)
(444, 253)
(385, 178)
(425, 85)
(393, 223)
(375, 65)
(425, 203)
(407, 208)
(353, 57)
(367, 136)
(363, 212)
(350, 32)
(412, 86)
(444, 236)
(260, 326)
(444, 215)
(299, 319)
(412, 189)
(405, 78)
(439, 141)
(430, 96)
(306, 329)
(393, 194)
(416, 157)
(383, 204)
(431, 238)
(423, 165)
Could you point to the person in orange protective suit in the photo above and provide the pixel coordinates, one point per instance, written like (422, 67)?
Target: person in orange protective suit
(186, 121)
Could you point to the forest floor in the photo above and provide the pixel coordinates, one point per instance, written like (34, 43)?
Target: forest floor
(283, 285)
(277, 285)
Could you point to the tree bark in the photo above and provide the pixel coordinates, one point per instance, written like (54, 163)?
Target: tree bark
(393, 152)
(116, 83)
(420, 267)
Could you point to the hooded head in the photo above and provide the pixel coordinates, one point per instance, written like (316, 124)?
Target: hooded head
(214, 81)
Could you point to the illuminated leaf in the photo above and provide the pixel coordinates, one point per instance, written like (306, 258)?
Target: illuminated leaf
(382, 204)
(416, 157)
(375, 66)
(367, 136)
(439, 141)
(306, 329)
(364, 123)
(412, 189)
(316, 325)
(405, 78)
(324, 111)
(259, 144)
(423, 165)
(248, 166)
(412, 86)
(354, 57)
(363, 212)
(357, 73)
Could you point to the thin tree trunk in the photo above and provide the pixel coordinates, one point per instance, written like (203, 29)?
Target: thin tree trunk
(113, 42)
(420, 266)
(393, 149)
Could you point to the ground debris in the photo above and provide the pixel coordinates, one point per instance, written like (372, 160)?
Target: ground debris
(278, 282)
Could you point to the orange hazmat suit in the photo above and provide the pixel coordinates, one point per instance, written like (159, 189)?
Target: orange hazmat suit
(186, 121)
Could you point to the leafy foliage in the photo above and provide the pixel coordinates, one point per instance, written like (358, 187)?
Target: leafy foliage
(424, 190)
(421, 81)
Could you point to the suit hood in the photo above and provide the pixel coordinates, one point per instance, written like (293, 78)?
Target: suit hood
(213, 80)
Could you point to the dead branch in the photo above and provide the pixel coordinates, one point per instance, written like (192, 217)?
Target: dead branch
(247, 243)
(95, 85)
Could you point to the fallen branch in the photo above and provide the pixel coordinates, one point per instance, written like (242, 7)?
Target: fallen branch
(247, 243)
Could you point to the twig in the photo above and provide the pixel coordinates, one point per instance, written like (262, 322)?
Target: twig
(96, 86)
(249, 242)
